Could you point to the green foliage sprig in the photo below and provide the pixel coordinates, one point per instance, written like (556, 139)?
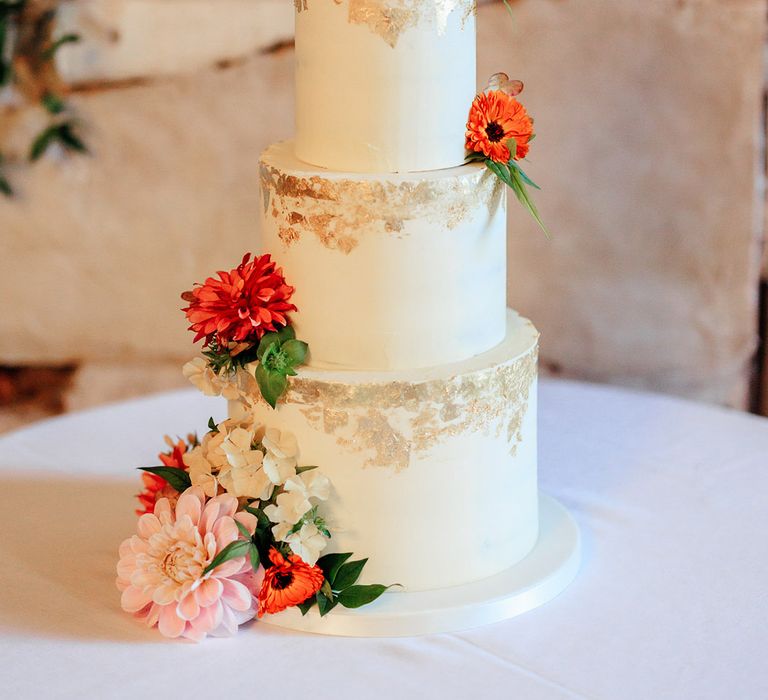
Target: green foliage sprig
(340, 586)
(279, 354)
(27, 55)
(512, 175)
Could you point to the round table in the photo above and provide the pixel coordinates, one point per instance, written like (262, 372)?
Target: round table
(671, 600)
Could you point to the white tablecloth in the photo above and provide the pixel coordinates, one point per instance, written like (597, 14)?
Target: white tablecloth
(671, 601)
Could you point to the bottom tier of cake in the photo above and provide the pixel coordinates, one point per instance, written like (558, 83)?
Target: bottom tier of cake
(433, 470)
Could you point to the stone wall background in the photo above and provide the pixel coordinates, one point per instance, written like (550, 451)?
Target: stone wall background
(650, 127)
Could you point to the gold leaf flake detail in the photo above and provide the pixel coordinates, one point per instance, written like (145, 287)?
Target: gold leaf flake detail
(391, 421)
(338, 212)
(391, 18)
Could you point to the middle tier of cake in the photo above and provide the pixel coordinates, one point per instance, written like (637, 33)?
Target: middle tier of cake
(397, 271)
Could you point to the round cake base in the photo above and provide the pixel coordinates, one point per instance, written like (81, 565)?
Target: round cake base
(537, 579)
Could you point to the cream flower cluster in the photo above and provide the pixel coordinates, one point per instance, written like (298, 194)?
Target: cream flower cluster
(233, 387)
(294, 515)
(252, 462)
(248, 461)
(244, 460)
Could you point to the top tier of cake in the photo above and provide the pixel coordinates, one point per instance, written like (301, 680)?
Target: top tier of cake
(383, 85)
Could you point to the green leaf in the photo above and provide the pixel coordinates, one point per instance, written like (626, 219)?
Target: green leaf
(243, 530)
(306, 605)
(324, 605)
(272, 384)
(238, 548)
(5, 66)
(501, 172)
(50, 52)
(325, 589)
(357, 596)
(286, 333)
(44, 139)
(176, 478)
(5, 186)
(513, 165)
(267, 341)
(264, 521)
(518, 188)
(212, 427)
(295, 351)
(70, 139)
(475, 156)
(53, 103)
(301, 470)
(253, 555)
(348, 574)
(331, 563)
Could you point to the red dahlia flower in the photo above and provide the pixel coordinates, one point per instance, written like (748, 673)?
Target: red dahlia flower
(243, 304)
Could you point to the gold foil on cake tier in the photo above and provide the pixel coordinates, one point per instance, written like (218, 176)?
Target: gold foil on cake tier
(391, 421)
(338, 212)
(391, 18)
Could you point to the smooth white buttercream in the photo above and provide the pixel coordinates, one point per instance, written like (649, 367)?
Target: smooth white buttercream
(364, 105)
(417, 286)
(461, 510)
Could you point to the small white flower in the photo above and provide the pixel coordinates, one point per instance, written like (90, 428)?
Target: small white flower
(308, 542)
(199, 372)
(290, 508)
(230, 390)
(311, 484)
(281, 530)
(205, 462)
(202, 376)
(282, 454)
(243, 475)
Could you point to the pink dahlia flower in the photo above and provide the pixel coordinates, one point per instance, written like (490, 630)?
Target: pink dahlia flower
(160, 572)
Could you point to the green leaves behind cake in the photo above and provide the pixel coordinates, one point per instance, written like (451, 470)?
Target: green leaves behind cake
(279, 354)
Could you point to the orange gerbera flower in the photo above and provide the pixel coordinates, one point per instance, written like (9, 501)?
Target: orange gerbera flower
(494, 118)
(155, 487)
(287, 582)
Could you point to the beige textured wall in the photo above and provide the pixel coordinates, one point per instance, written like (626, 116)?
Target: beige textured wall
(647, 113)
(649, 117)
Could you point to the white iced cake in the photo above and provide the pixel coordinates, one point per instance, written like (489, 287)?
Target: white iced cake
(419, 395)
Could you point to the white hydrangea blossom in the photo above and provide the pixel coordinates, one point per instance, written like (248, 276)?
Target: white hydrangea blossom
(282, 453)
(308, 542)
(295, 505)
(288, 509)
(231, 387)
(205, 462)
(311, 484)
(243, 475)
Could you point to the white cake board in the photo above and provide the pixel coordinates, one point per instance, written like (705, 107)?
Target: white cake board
(537, 579)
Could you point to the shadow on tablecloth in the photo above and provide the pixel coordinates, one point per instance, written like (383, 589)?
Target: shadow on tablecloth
(58, 547)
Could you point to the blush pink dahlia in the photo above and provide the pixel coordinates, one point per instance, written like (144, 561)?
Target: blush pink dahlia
(160, 572)
(242, 304)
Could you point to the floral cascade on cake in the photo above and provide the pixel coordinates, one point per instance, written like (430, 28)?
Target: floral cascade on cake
(231, 527)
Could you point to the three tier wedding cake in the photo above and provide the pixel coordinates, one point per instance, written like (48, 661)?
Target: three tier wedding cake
(401, 427)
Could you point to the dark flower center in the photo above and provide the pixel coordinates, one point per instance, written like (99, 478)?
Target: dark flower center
(283, 579)
(495, 132)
